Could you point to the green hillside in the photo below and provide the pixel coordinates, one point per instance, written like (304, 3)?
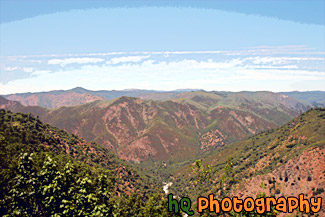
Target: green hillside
(47, 172)
(258, 156)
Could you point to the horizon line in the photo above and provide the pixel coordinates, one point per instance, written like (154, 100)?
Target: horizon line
(156, 90)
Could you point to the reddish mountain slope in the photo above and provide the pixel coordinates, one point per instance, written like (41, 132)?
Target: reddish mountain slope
(175, 129)
(52, 100)
(285, 162)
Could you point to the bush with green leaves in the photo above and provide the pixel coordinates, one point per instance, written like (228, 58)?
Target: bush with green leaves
(50, 189)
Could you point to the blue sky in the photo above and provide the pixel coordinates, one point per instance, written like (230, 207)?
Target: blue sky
(163, 45)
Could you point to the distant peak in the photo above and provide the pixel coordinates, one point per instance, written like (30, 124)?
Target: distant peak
(79, 90)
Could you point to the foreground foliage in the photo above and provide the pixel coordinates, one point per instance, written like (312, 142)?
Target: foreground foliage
(48, 172)
(64, 190)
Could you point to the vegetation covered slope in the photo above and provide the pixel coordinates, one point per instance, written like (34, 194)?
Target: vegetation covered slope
(285, 161)
(139, 130)
(47, 172)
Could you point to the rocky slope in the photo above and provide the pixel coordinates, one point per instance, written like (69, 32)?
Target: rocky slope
(285, 161)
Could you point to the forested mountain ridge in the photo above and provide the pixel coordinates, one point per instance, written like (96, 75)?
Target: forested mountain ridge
(45, 171)
(286, 161)
(139, 130)
(22, 133)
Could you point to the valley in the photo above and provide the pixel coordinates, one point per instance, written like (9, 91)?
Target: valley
(196, 143)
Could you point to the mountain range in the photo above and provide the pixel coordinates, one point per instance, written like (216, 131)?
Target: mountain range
(79, 95)
(226, 143)
(177, 126)
(284, 161)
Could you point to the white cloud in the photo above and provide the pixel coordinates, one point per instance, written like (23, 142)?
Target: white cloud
(125, 59)
(278, 75)
(261, 50)
(10, 68)
(28, 69)
(280, 60)
(270, 67)
(80, 60)
(15, 68)
(167, 70)
(233, 74)
(40, 72)
(277, 50)
(34, 61)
